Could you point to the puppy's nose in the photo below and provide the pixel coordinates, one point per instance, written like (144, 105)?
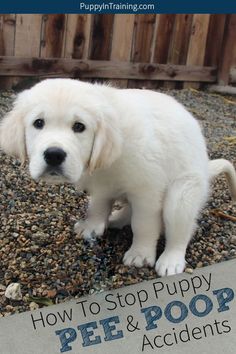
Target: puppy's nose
(54, 156)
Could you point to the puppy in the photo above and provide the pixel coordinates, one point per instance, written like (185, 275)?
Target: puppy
(134, 145)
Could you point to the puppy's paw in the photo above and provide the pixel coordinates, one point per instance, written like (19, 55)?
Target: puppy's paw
(170, 263)
(139, 257)
(88, 230)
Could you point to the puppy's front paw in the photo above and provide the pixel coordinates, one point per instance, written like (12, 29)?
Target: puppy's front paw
(170, 263)
(88, 230)
(139, 257)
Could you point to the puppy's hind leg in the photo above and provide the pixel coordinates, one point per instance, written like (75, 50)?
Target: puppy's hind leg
(120, 218)
(183, 202)
(146, 226)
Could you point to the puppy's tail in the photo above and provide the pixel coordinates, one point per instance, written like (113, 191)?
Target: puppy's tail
(224, 166)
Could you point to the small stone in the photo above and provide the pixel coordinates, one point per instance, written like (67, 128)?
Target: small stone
(51, 293)
(9, 308)
(218, 257)
(13, 292)
(33, 306)
(34, 248)
(233, 240)
(189, 270)
(2, 287)
(224, 253)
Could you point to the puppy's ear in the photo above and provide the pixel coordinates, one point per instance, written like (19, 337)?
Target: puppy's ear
(107, 145)
(12, 135)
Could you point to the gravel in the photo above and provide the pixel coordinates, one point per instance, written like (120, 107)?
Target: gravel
(39, 250)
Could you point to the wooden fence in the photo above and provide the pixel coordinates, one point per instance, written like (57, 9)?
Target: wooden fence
(132, 50)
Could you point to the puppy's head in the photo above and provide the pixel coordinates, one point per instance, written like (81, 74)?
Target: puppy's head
(64, 127)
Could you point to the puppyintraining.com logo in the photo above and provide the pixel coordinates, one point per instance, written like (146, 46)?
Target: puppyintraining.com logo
(120, 7)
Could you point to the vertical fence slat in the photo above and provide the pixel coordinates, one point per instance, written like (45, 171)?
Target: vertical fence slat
(164, 32)
(27, 38)
(234, 56)
(163, 37)
(197, 44)
(78, 31)
(7, 34)
(214, 39)
(27, 41)
(227, 50)
(7, 43)
(122, 41)
(142, 43)
(178, 48)
(101, 39)
(53, 36)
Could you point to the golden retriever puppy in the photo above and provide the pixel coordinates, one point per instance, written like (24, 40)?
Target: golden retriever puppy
(136, 145)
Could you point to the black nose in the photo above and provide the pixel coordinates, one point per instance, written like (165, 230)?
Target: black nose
(54, 156)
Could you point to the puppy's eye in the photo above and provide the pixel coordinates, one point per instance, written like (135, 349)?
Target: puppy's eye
(78, 127)
(39, 123)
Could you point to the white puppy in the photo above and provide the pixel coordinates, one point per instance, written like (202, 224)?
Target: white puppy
(136, 145)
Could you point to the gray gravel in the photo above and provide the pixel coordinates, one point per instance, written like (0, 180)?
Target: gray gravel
(39, 250)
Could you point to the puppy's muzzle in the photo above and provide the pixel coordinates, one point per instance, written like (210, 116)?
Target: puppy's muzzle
(54, 156)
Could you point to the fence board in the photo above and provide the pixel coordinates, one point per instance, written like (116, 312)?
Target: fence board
(234, 56)
(228, 50)
(7, 42)
(103, 69)
(197, 44)
(122, 41)
(215, 39)
(53, 36)
(7, 34)
(78, 31)
(27, 37)
(163, 39)
(178, 47)
(142, 42)
(101, 38)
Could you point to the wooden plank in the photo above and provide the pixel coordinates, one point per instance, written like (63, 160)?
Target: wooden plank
(7, 43)
(101, 39)
(197, 44)
(53, 32)
(164, 33)
(227, 50)
(142, 42)
(7, 34)
(27, 37)
(122, 41)
(234, 56)
(103, 69)
(143, 36)
(225, 90)
(232, 76)
(77, 35)
(181, 33)
(178, 48)
(214, 39)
